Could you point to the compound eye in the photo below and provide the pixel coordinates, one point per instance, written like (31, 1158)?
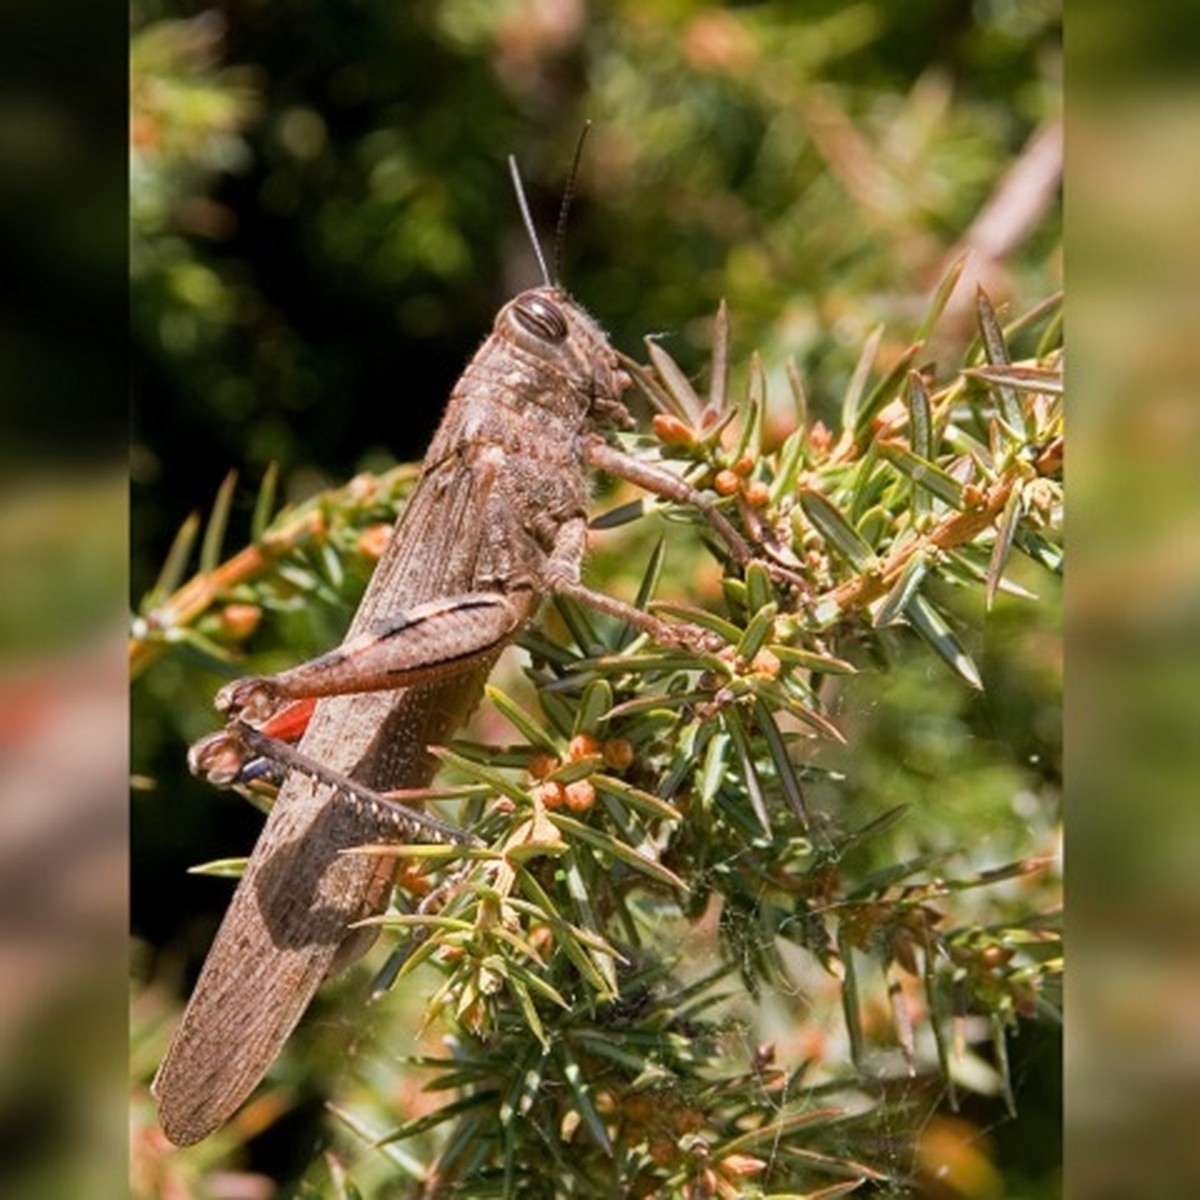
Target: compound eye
(538, 316)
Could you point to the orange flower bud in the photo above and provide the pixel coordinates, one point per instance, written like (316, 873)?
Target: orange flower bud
(373, 540)
(541, 764)
(581, 745)
(580, 795)
(671, 431)
(411, 878)
(727, 483)
(618, 753)
(551, 793)
(757, 493)
(240, 621)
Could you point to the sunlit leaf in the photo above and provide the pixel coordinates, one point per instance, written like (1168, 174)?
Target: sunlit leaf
(837, 530)
(932, 626)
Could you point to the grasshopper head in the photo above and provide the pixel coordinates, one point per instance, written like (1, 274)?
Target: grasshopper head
(564, 345)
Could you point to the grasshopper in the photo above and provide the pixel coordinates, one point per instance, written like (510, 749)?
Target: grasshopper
(497, 521)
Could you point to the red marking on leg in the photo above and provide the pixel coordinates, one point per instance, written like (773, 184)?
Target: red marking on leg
(290, 722)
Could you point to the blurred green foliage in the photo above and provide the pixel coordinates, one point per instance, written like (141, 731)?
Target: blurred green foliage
(322, 230)
(322, 225)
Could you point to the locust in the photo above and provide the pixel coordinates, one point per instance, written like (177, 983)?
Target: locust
(496, 523)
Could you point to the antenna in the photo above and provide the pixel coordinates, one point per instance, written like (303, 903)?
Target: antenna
(529, 229)
(560, 230)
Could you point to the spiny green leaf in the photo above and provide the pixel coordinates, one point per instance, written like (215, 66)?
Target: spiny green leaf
(664, 700)
(558, 712)
(850, 1007)
(1000, 1050)
(174, 565)
(750, 440)
(218, 523)
(1021, 378)
(960, 566)
(858, 381)
(575, 769)
(837, 530)
(876, 524)
(591, 955)
(440, 1115)
(331, 564)
(930, 624)
(718, 382)
(405, 1162)
(580, 625)
(886, 389)
(652, 574)
(699, 616)
(715, 765)
(875, 883)
(428, 851)
(689, 744)
(1006, 528)
(533, 733)
(939, 1016)
(996, 350)
(749, 772)
(660, 399)
(1051, 339)
(874, 828)
(203, 650)
(1000, 874)
(412, 958)
(920, 435)
(903, 590)
(758, 587)
(920, 417)
(782, 1128)
(623, 514)
(395, 920)
(613, 1049)
(522, 1091)
(653, 662)
(799, 396)
(865, 486)
(221, 868)
(541, 647)
(1051, 304)
(644, 802)
(811, 660)
(530, 980)
(788, 463)
(604, 842)
(579, 891)
(577, 1082)
(941, 296)
(784, 770)
(594, 707)
(480, 771)
(1039, 549)
(264, 503)
(757, 632)
(675, 383)
(925, 474)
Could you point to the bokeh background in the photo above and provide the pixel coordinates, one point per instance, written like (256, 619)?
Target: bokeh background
(322, 229)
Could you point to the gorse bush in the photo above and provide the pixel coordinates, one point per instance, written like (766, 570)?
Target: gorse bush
(651, 788)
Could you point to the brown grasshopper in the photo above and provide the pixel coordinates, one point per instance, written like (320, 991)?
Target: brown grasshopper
(497, 521)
